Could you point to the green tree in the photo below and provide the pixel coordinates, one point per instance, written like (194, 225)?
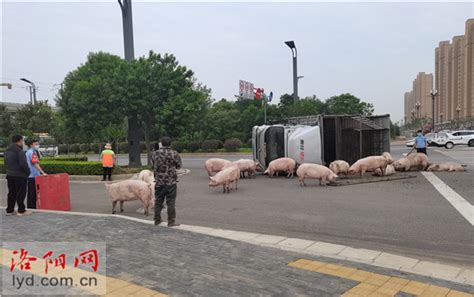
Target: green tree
(222, 121)
(348, 104)
(6, 124)
(34, 118)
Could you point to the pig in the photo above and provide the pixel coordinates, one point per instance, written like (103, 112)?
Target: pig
(390, 170)
(215, 165)
(339, 166)
(281, 164)
(389, 157)
(412, 162)
(446, 166)
(225, 177)
(316, 171)
(369, 164)
(247, 165)
(129, 190)
(146, 176)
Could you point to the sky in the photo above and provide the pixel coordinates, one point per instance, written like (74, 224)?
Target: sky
(372, 50)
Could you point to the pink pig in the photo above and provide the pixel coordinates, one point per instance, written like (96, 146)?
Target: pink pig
(228, 175)
(215, 165)
(146, 176)
(369, 164)
(316, 171)
(247, 165)
(129, 190)
(339, 166)
(281, 164)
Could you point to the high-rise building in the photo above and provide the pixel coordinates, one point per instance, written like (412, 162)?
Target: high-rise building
(418, 104)
(468, 102)
(454, 77)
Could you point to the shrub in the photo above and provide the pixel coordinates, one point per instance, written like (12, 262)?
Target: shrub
(220, 144)
(178, 145)
(69, 167)
(65, 159)
(95, 148)
(210, 145)
(85, 148)
(194, 146)
(75, 148)
(249, 143)
(123, 147)
(63, 149)
(232, 144)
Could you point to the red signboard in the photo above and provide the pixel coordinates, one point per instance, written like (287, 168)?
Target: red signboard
(52, 192)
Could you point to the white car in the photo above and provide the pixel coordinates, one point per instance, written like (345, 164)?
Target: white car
(462, 137)
(429, 139)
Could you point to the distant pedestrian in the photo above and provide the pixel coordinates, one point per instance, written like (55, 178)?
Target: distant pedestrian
(32, 157)
(17, 176)
(420, 143)
(165, 162)
(107, 156)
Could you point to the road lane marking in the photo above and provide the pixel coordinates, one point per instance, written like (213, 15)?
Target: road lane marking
(465, 208)
(114, 286)
(374, 284)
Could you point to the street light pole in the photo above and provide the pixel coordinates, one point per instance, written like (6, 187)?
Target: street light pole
(458, 110)
(292, 46)
(133, 134)
(32, 90)
(433, 96)
(418, 104)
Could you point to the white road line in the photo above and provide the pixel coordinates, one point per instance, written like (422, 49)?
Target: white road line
(465, 208)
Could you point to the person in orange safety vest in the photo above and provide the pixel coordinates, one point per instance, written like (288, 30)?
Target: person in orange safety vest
(108, 159)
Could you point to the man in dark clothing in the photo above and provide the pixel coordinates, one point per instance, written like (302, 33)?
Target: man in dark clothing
(17, 176)
(165, 162)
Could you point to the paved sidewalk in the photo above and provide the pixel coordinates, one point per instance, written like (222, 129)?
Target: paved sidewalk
(182, 263)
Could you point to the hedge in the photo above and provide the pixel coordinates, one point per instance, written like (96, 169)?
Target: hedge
(194, 146)
(178, 146)
(69, 167)
(60, 158)
(232, 144)
(210, 145)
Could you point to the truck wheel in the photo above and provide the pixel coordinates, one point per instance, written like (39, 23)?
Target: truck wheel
(449, 145)
(471, 143)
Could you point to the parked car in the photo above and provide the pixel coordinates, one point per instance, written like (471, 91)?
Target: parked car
(462, 137)
(429, 138)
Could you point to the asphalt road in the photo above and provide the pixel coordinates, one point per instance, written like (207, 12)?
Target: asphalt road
(407, 217)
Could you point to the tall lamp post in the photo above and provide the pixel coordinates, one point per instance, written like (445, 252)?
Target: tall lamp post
(417, 105)
(433, 96)
(292, 46)
(32, 90)
(133, 135)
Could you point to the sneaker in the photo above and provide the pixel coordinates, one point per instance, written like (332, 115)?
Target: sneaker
(11, 213)
(173, 224)
(158, 222)
(25, 213)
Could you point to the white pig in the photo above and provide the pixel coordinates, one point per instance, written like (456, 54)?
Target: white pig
(416, 161)
(339, 166)
(369, 164)
(390, 170)
(247, 165)
(146, 176)
(129, 190)
(225, 177)
(446, 166)
(316, 171)
(215, 165)
(282, 164)
(389, 157)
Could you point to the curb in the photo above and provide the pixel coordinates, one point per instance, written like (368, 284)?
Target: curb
(453, 273)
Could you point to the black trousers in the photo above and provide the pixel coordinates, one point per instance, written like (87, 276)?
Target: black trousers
(168, 193)
(107, 173)
(31, 197)
(422, 150)
(16, 193)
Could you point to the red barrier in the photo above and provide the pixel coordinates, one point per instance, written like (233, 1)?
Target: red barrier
(52, 192)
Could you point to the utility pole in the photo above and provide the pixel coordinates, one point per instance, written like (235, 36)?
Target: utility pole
(32, 90)
(133, 136)
(294, 54)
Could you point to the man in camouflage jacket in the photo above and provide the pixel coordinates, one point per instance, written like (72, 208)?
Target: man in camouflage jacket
(165, 162)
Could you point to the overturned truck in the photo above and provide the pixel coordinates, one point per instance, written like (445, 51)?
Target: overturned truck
(322, 139)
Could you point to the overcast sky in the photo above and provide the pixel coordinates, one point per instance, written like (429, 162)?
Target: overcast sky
(372, 50)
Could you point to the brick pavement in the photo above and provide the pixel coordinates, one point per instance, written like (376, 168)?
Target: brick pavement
(182, 263)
